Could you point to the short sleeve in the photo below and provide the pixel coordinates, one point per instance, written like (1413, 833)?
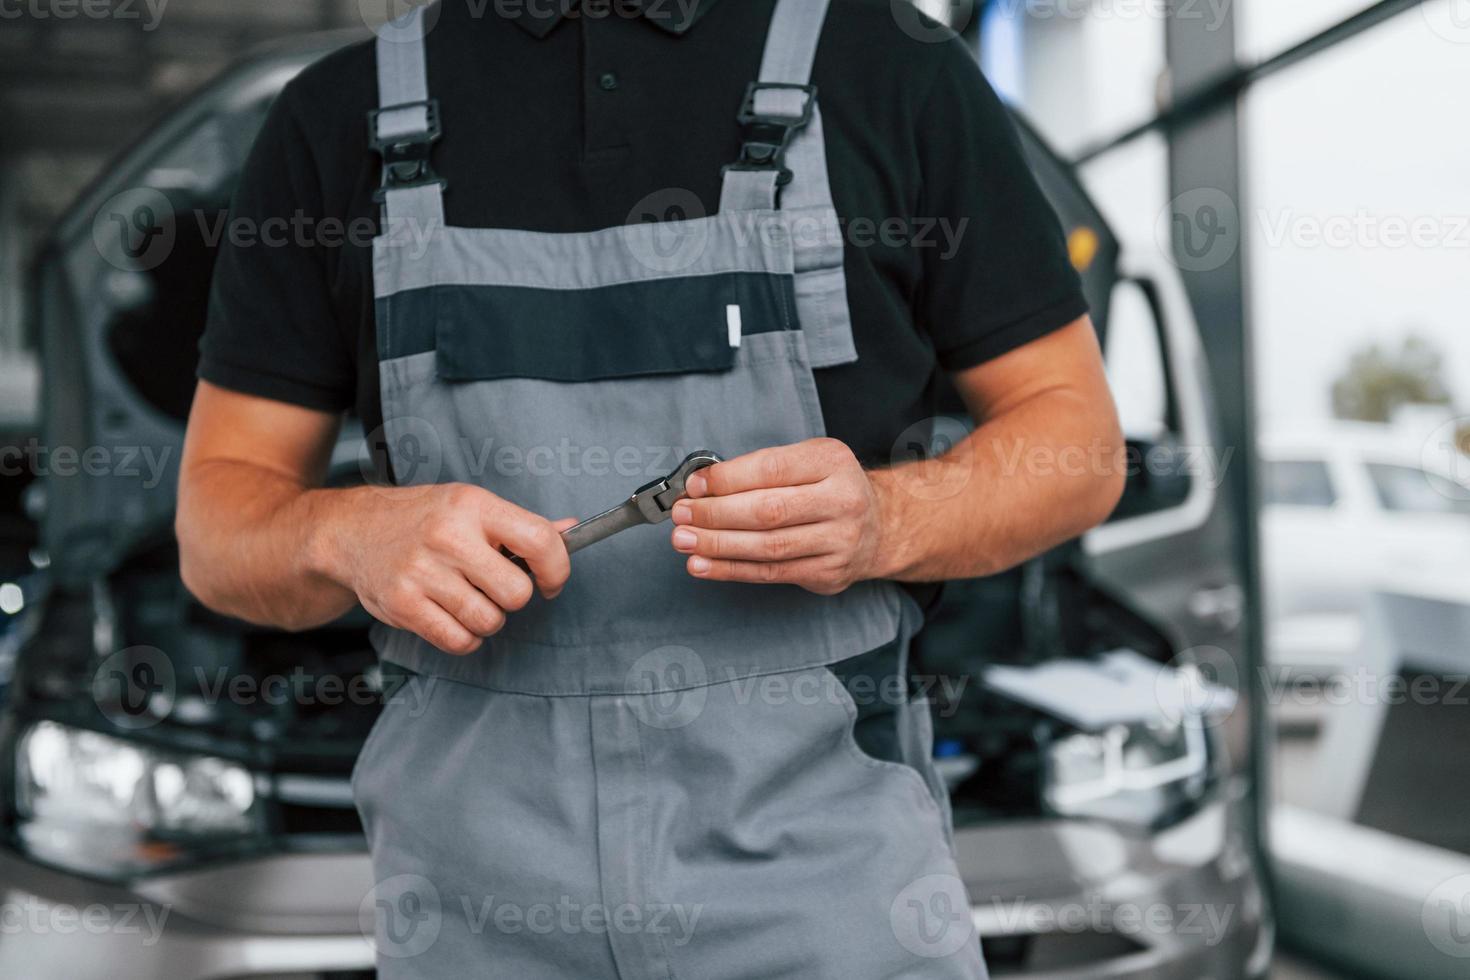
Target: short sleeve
(271, 330)
(997, 274)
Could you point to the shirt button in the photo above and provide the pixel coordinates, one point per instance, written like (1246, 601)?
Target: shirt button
(608, 81)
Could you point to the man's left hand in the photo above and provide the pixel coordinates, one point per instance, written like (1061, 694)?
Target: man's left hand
(805, 515)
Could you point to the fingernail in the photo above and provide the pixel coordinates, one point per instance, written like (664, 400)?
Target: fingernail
(683, 513)
(697, 485)
(699, 566)
(685, 539)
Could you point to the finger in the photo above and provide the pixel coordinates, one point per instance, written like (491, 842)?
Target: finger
(561, 526)
(754, 510)
(473, 609)
(785, 544)
(534, 539)
(779, 466)
(501, 580)
(755, 572)
(434, 624)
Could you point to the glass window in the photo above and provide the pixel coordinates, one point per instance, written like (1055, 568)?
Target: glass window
(1136, 368)
(1357, 226)
(1409, 490)
(1297, 483)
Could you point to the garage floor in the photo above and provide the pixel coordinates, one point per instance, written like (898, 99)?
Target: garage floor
(1287, 967)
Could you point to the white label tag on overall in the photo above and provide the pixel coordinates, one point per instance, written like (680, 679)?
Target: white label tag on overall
(732, 320)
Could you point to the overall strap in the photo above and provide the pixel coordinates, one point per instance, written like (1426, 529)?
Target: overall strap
(782, 147)
(783, 166)
(405, 126)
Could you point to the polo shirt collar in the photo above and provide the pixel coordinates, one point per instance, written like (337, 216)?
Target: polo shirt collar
(540, 16)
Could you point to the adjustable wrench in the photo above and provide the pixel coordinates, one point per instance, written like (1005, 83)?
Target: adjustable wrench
(650, 504)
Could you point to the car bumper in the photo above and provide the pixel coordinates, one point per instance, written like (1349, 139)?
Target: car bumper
(1072, 900)
(1052, 900)
(286, 918)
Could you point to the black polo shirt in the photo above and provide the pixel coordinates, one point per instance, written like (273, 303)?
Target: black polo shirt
(565, 122)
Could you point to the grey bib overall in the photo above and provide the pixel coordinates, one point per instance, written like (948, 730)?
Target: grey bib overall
(650, 776)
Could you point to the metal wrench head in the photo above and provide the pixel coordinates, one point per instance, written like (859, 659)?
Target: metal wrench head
(657, 500)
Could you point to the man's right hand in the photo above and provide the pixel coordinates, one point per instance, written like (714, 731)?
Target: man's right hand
(429, 559)
(261, 541)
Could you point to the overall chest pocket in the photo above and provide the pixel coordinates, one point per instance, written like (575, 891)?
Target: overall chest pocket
(647, 328)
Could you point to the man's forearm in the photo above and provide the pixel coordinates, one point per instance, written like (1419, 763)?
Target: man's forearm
(1027, 480)
(252, 543)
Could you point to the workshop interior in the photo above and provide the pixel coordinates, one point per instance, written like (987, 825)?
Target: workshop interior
(1219, 736)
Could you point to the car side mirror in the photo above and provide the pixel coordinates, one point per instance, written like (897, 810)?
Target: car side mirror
(1137, 357)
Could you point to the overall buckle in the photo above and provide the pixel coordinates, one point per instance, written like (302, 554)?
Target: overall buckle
(768, 135)
(406, 157)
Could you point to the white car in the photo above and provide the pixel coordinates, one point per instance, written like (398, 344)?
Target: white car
(1350, 510)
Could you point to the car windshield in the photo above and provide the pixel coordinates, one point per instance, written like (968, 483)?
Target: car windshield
(1407, 489)
(1298, 483)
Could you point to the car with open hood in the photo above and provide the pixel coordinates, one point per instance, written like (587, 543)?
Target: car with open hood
(183, 778)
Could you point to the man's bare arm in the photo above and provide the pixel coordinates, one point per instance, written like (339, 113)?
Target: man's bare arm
(1042, 466)
(261, 540)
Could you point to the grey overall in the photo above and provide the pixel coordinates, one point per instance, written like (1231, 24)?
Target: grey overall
(650, 776)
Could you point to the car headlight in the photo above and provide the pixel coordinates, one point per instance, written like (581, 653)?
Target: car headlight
(1138, 773)
(104, 805)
